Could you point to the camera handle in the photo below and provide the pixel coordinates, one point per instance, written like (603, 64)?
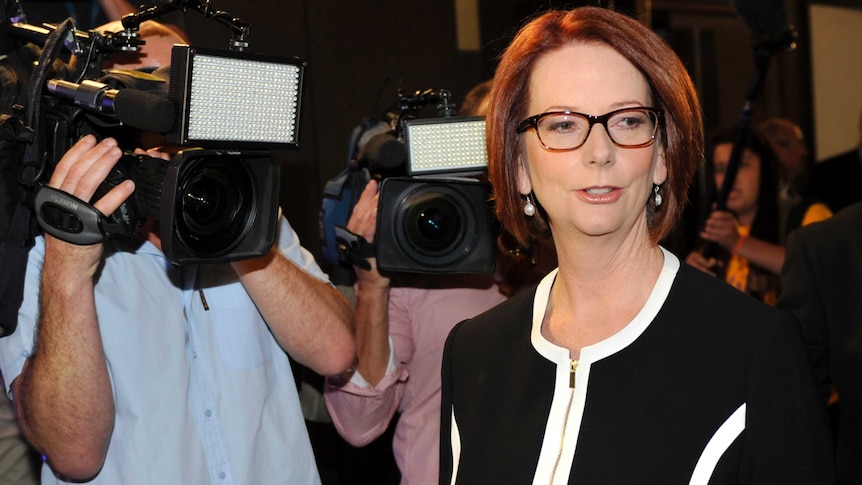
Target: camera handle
(69, 218)
(240, 29)
(353, 249)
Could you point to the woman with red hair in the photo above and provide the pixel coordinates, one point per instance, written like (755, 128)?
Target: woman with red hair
(622, 365)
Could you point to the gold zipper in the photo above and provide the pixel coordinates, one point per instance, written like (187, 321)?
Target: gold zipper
(573, 368)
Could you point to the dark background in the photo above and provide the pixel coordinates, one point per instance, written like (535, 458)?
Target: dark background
(360, 53)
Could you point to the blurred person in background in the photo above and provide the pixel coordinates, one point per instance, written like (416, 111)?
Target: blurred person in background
(748, 234)
(822, 284)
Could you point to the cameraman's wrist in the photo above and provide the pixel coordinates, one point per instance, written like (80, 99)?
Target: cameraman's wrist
(371, 280)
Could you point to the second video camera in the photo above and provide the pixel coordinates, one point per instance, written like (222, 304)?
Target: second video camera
(435, 213)
(439, 218)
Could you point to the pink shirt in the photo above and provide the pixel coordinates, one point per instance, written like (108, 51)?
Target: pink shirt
(419, 322)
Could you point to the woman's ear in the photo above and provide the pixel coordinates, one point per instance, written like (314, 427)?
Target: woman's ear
(659, 174)
(524, 184)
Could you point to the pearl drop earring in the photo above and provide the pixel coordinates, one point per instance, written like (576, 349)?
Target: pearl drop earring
(529, 208)
(658, 199)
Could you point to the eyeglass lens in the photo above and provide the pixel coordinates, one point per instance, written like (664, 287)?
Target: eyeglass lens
(630, 127)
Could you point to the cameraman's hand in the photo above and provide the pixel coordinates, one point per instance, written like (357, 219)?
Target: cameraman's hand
(80, 172)
(154, 152)
(363, 221)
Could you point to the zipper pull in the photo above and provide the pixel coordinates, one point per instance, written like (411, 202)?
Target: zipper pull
(204, 300)
(573, 369)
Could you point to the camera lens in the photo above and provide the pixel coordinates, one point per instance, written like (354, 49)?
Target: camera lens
(208, 203)
(434, 224)
(440, 224)
(216, 206)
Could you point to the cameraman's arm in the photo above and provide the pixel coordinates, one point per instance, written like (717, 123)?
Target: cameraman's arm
(361, 413)
(309, 318)
(372, 296)
(63, 395)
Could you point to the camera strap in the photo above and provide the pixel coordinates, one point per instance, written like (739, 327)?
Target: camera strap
(71, 219)
(33, 164)
(354, 249)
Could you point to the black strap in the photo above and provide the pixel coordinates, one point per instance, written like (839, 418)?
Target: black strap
(354, 249)
(33, 165)
(13, 260)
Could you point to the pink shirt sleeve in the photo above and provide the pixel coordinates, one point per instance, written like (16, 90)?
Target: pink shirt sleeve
(361, 412)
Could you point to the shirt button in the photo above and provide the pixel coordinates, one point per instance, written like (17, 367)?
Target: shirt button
(221, 475)
(208, 413)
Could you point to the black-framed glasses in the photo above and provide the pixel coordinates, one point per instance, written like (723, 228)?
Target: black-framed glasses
(562, 131)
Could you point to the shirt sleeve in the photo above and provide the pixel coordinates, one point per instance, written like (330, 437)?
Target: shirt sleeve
(289, 245)
(18, 346)
(361, 412)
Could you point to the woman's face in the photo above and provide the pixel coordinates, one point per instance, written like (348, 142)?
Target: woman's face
(598, 189)
(742, 199)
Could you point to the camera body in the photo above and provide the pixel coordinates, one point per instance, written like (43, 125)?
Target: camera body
(435, 225)
(219, 203)
(439, 219)
(217, 199)
(434, 213)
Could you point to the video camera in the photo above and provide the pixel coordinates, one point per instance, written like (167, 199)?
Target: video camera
(216, 200)
(434, 213)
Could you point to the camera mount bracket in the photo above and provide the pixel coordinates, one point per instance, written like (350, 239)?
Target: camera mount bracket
(240, 29)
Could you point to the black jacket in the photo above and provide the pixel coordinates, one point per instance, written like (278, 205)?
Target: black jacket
(701, 356)
(822, 285)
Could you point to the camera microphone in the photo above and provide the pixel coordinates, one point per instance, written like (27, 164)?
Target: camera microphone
(384, 152)
(138, 109)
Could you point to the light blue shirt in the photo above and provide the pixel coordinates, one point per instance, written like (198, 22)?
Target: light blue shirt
(201, 396)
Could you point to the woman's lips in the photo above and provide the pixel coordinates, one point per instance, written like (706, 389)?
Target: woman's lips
(600, 195)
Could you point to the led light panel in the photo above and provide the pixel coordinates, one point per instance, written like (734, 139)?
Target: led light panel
(228, 98)
(440, 145)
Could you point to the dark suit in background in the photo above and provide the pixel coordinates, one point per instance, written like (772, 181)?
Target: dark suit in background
(838, 180)
(822, 283)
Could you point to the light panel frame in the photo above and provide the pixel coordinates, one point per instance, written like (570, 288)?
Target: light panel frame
(233, 99)
(446, 145)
